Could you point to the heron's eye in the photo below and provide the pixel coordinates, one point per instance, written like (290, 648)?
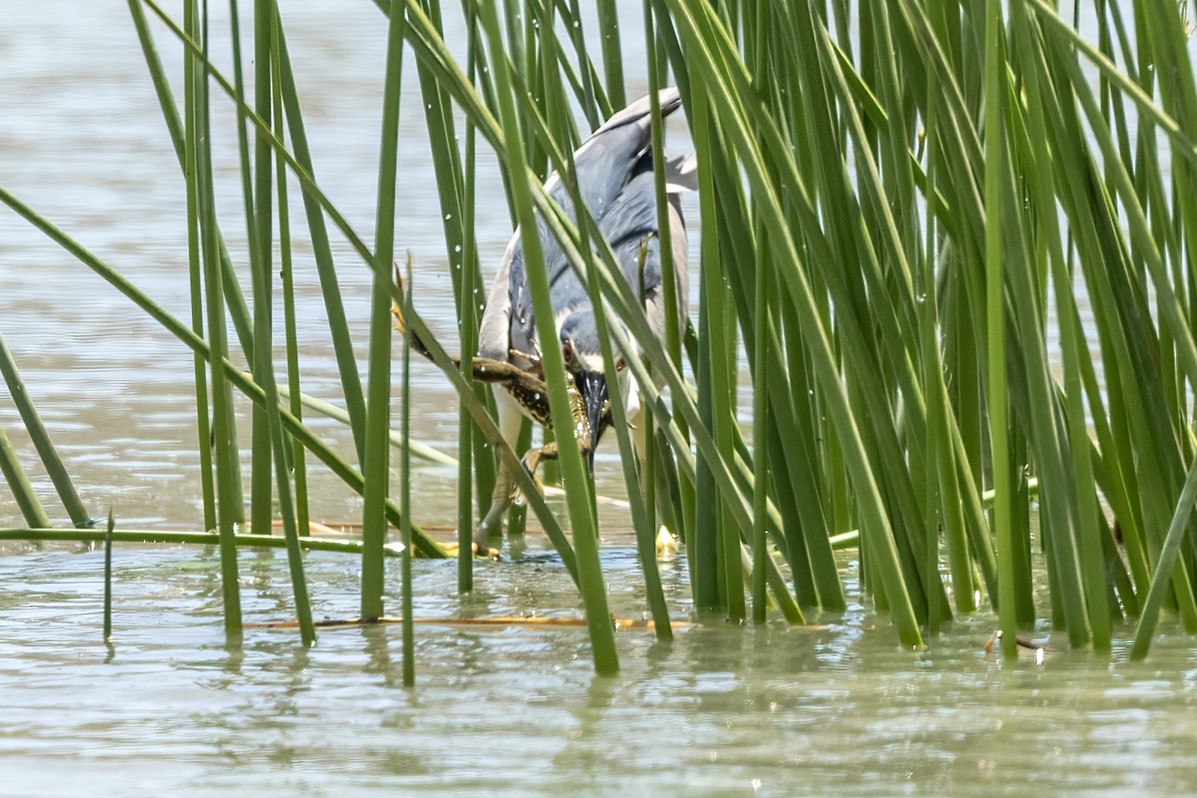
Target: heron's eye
(567, 353)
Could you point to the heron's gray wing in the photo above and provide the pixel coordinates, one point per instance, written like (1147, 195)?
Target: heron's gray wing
(610, 157)
(630, 218)
(632, 225)
(629, 224)
(668, 97)
(605, 163)
(631, 228)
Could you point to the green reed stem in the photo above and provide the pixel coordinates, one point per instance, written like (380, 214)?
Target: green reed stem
(468, 300)
(703, 538)
(760, 434)
(409, 638)
(228, 477)
(995, 315)
(267, 414)
(18, 482)
(257, 212)
(591, 583)
(290, 328)
(1165, 577)
(189, 159)
(669, 278)
(376, 468)
(208, 539)
(455, 187)
(108, 576)
(608, 22)
(40, 436)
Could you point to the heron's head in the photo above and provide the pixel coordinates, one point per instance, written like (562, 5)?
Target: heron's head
(584, 362)
(592, 387)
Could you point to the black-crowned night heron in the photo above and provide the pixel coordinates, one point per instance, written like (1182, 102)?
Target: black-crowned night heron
(615, 180)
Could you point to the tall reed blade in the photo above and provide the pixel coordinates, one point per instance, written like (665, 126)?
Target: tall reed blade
(577, 485)
(108, 576)
(41, 439)
(228, 477)
(290, 322)
(409, 638)
(455, 187)
(18, 482)
(996, 316)
(378, 416)
(258, 229)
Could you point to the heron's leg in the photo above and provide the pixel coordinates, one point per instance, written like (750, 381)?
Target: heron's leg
(549, 451)
(531, 461)
(492, 524)
(504, 493)
(534, 456)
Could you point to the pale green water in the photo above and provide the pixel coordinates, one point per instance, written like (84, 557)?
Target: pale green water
(517, 711)
(514, 711)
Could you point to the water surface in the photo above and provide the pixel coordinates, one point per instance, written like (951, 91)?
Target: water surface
(517, 711)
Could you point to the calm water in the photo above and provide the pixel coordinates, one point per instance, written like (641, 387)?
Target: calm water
(516, 710)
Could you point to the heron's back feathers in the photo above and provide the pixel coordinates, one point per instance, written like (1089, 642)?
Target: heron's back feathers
(615, 181)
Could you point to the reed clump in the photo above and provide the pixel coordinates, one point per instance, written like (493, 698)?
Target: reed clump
(923, 224)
